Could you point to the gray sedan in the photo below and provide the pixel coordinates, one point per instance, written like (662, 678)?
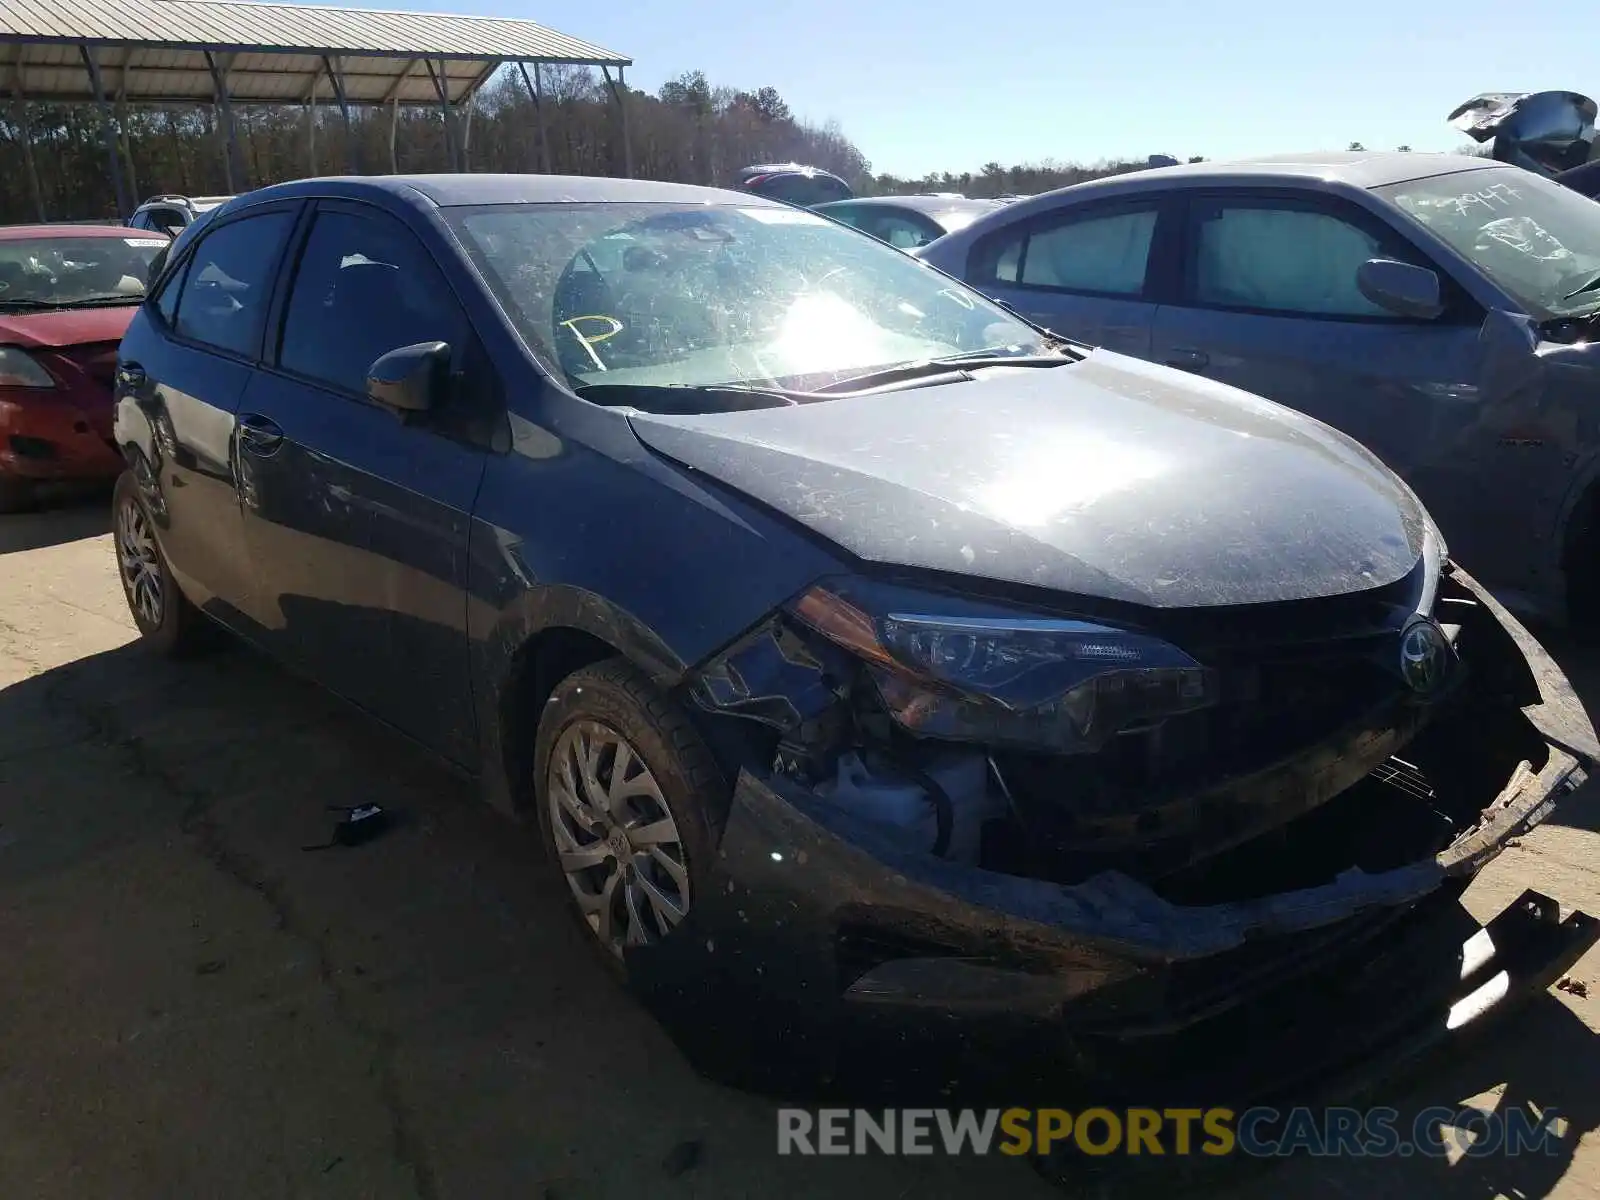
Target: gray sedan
(908, 221)
(1444, 310)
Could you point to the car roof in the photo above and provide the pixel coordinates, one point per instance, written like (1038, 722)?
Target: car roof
(784, 168)
(922, 204)
(1359, 169)
(11, 233)
(453, 190)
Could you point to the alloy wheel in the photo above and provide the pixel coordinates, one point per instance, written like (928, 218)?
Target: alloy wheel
(139, 560)
(615, 837)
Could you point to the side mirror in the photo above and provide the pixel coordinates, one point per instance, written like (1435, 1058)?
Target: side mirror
(410, 379)
(1401, 288)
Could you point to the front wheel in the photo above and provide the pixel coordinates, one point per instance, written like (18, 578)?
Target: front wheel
(627, 797)
(165, 618)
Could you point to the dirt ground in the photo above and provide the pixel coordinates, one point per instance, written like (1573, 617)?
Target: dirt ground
(192, 1005)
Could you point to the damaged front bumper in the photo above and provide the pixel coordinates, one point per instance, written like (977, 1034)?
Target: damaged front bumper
(820, 947)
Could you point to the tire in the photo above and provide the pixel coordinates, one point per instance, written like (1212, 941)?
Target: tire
(595, 711)
(168, 623)
(16, 495)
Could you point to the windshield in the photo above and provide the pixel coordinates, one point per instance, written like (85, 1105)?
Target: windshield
(960, 218)
(65, 272)
(699, 295)
(1538, 240)
(793, 187)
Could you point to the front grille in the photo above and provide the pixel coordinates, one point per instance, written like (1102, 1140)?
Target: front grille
(1277, 705)
(1153, 802)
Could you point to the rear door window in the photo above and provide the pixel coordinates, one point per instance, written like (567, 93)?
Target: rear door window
(1095, 252)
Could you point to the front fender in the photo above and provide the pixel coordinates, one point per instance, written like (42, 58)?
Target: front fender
(595, 534)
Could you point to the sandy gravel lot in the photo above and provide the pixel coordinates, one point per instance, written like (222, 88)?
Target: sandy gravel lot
(192, 1005)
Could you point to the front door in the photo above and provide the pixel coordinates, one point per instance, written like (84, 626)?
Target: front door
(357, 517)
(1268, 302)
(1083, 272)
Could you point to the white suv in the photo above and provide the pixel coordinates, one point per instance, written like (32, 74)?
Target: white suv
(170, 214)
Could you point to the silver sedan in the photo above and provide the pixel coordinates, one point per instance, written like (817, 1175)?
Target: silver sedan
(1444, 310)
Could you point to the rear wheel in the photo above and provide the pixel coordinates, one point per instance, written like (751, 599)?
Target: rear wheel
(627, 796)
(165, 618)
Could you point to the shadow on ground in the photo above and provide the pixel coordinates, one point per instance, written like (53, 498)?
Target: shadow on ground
(55, 523)
(204, 1000)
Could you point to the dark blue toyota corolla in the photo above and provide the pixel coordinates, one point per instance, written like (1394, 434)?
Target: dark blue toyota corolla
(865, 654)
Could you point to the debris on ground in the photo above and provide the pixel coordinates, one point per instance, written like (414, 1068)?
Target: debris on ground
(1576, 986)
(357, 825)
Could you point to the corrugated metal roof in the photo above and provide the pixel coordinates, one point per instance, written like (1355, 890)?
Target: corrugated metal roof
(154, 50)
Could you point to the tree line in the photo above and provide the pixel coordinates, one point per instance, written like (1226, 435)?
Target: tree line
(687, 131)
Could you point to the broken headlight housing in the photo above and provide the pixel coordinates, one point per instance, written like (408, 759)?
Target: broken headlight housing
(953, 669)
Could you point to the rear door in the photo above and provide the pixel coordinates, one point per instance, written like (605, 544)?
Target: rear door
(184, 365)
(357, 517)
(1088, 272)
(1268, 302)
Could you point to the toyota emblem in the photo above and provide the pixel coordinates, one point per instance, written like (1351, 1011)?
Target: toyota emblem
(1424, 656)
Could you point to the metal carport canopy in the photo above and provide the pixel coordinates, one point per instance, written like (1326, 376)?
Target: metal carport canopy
(155, 51)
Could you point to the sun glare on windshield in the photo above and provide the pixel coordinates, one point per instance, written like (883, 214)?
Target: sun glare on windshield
(696, 296)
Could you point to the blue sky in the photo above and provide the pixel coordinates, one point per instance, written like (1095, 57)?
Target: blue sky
(922, 85)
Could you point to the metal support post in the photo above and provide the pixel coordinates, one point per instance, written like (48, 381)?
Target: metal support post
(619, 89)
(108, 128)
(441, 89)
(352, 147)
(19, 115)
(535, 88)
(233, 164)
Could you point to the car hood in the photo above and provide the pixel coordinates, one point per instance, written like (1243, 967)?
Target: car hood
(67, 327)
(1111, 478)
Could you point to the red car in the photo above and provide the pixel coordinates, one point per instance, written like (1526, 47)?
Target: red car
(67, 293)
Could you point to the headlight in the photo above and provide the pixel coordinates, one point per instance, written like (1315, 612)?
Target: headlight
(949, 669)
(18, 368)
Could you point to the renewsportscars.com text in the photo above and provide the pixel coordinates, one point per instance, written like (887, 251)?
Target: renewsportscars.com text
(1213, 1132)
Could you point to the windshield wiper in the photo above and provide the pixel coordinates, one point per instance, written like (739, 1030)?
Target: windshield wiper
(1588, 286)
(684, 399)
(952, 367)
(109, 298)
(104, 301)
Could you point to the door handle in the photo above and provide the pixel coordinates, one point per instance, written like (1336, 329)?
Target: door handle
(258, 434)
(130, 376)
(1187, 358)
